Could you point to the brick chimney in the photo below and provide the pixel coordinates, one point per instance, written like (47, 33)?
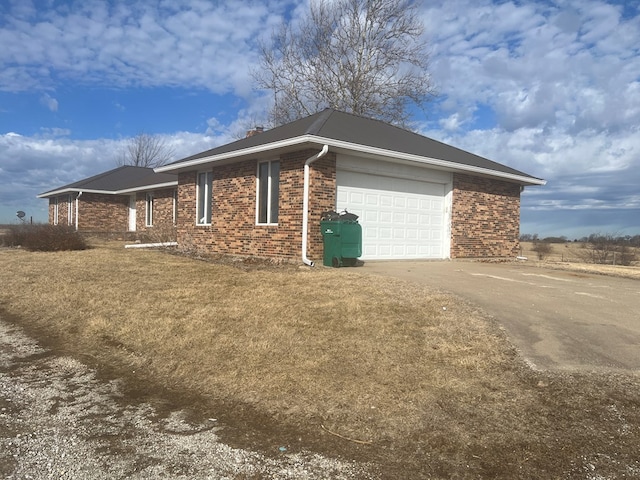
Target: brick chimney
(255, 131)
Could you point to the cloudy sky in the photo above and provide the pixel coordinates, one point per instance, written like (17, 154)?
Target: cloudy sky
(550, 87)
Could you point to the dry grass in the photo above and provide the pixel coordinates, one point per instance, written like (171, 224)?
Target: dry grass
(569, 256)
(422, 376)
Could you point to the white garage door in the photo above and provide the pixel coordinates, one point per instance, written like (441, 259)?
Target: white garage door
(400, 218)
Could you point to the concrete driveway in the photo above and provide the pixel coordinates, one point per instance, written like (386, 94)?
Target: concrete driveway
(559, 320)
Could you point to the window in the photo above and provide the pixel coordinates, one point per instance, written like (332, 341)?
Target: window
(70, 210)
(205, 185)
(175, 207)
(149, 209)
(55, 211)
(268, 192)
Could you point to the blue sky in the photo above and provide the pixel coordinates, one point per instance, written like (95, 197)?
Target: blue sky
(548, 87)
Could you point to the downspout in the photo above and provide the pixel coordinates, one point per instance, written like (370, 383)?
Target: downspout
(77, 203)
(305, 203)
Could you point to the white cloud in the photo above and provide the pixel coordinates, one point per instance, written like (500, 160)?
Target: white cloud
(49, 102)
(185, 43)
(563, 82)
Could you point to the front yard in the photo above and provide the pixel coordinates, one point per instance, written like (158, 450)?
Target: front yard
(415, 381)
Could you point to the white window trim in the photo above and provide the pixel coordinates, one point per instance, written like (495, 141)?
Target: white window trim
(55, 210)
(70, 203)
(175, 206)
(200, 216)
(149, 201)
(269, 192)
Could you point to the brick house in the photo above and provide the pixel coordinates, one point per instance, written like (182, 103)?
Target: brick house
(416, 197)
(126, 199)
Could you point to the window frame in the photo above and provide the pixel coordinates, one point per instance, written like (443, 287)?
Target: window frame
(175, 207)
(148, 216)
(205, 203)
(56, 212)
(70, 204)
(269, 199)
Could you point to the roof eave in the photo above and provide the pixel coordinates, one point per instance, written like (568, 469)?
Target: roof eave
(55, 193)
(435, 162)
(314, 139)
(244, 152)
(124, 191)
(147, 187)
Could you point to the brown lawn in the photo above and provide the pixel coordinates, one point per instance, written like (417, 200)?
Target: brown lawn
(415, 381)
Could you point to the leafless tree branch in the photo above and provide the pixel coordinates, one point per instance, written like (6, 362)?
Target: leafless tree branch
(146, 150)
(361, 56)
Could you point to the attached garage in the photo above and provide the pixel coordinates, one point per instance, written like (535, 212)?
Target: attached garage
(403, 209)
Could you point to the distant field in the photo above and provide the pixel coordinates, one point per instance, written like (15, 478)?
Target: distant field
(570, 256)
(572, 252)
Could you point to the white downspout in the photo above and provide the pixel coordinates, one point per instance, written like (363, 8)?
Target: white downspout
(77, 202)
(305, 203)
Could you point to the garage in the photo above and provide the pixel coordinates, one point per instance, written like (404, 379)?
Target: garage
(402, 209)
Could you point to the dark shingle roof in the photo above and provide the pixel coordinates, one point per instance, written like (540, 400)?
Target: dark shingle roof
(117, 180)
(358, 132)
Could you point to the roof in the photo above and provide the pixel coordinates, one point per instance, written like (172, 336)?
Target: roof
(121, 180)
(345, 132)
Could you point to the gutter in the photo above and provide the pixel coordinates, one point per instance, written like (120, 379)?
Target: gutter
(305, 203)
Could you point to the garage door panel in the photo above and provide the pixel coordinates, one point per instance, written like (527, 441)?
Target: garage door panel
(401, 218)
(370, 216)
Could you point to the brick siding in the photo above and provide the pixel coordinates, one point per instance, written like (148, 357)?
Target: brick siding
(64, 201)
(162, 211)
(233, 228)
(110, 213)
(485, 212)
(485, 220)
(99, 212)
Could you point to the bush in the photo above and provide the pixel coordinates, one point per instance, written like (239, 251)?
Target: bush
(542, 249)
(45, 238)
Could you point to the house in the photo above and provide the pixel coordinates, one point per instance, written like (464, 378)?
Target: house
(126, 199)
(416, 197)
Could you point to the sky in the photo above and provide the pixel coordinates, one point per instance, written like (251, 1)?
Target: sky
(549, 87)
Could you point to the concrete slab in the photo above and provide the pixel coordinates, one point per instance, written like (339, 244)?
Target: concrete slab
(559, 320)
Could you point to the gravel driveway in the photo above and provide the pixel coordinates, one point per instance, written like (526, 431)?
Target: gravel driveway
(58, 420)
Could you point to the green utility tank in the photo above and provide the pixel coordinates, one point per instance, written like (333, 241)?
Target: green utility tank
(342, 239)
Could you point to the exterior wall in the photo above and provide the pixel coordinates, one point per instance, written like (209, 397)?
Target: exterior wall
(233, 228)
(103, 212)
(162, 211)
(110, 213)
(485, 216)
(485, 219)
(63, 210)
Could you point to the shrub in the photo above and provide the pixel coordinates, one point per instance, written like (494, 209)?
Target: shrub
(542, 249)
(45, 238)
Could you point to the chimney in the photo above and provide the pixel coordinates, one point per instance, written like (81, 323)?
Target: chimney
(255, 131)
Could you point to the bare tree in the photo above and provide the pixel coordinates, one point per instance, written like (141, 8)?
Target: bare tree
(146, 150)
(366, 57)
(607, 249)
